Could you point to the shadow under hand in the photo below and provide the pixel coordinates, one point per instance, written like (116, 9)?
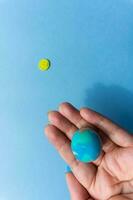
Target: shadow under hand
(114, 102)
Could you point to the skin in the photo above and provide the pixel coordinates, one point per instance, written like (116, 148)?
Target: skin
(110, 177)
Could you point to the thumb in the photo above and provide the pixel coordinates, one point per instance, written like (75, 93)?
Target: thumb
(77, 191)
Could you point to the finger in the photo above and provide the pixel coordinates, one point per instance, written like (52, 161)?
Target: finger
(77, 191)
(85, 173)
(61, 143)
(73, 115)
(67, 127)
(108, 144)
(114, 132)
(62, 123)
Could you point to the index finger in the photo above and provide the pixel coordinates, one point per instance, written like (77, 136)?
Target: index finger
(114, 132)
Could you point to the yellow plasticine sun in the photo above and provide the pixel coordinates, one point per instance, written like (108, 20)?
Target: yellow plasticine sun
(44, 64)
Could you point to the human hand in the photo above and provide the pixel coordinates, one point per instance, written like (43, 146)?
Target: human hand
(110, 177)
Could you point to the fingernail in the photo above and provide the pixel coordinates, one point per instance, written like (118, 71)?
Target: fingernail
(48, 112)
(68, 169)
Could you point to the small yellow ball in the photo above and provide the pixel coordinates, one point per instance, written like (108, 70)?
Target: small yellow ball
(44, 64)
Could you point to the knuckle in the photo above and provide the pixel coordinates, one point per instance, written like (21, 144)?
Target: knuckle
(62, 147)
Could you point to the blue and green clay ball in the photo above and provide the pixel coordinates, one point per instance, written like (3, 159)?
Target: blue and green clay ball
(86, 145)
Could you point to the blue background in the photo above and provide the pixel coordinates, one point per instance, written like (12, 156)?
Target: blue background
(90, 45)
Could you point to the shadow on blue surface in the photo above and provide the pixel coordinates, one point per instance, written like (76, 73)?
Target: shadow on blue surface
(114, 102)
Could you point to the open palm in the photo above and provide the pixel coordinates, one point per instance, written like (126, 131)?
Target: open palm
(111, 175)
